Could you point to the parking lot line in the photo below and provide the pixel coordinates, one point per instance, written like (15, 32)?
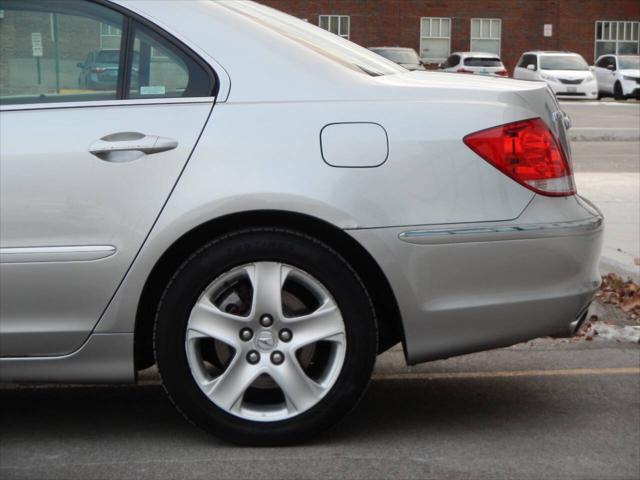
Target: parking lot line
(516, 373)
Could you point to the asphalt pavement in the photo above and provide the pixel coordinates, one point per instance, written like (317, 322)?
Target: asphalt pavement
(603, 114)
(543, 410)
(604, 121)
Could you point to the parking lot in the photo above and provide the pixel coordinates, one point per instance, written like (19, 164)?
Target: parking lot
(604, 120)
(546, 409)
(541, 410)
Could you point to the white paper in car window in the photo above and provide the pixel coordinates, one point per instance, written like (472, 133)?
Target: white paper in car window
(153, 90)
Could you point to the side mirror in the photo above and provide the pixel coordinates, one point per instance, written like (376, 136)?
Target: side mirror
(611, 67)
(80, 65)
(531, 67)
(441, 66)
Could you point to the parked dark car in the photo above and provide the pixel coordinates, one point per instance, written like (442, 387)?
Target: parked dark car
(99, 71)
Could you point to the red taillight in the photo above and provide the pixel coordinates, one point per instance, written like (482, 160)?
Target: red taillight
(527, 152)
(502, 73)
(463, 70)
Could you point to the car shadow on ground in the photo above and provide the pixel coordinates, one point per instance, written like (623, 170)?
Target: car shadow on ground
(413, 407)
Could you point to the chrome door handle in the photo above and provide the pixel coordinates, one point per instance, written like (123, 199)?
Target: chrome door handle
(129, 146)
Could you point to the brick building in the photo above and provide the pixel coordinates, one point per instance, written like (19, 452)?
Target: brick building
(436, 28)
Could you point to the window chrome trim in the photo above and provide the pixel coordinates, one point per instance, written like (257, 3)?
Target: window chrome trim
(495, 233)
(85, 253)
(105, 103)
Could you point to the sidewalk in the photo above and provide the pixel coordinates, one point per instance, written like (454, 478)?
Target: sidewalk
(606, 155)
(617, 195)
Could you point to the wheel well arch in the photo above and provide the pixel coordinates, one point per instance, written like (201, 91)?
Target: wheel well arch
(384, 301)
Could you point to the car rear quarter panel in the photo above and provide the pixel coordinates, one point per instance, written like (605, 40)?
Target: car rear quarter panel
(258, 156)
(270, 153)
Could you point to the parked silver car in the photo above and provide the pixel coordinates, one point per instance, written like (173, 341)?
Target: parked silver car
(406, 57)
(266, 207)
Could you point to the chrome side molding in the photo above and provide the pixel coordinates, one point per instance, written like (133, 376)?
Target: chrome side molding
(495, 233)
(85, 253)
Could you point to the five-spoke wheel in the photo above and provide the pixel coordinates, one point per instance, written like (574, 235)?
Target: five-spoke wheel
(265, 337)
(265, 341)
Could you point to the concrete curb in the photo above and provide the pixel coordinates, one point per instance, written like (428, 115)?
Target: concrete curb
(599, 134)
(609, 265)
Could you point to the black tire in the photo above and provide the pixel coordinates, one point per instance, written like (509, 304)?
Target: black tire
(617, 92)
(243, 247)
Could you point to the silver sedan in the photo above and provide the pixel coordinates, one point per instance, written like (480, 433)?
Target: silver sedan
(260, 207)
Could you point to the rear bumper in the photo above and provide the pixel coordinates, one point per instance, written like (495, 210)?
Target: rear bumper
(630, 88)
(465, 288)
(635, 93)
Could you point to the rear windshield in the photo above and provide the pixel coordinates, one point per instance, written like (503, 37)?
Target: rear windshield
(111, 56)
(563, 62)
(629, 63)
(320, 41)
(398, 56)
(482, 62)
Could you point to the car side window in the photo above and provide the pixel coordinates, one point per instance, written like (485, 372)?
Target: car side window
(613, 63)
(527, 60)
(160, 70)
(455, 60)
(603, 62)
(45, 45)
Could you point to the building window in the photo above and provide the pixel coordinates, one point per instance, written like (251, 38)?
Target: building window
(109, 36)
(486, 34)
(435, 39)
(338, 24)
(617, 38)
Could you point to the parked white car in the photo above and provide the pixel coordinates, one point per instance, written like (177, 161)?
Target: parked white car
(567, 73)
(618, 76)
(478, 63)
(260, 207)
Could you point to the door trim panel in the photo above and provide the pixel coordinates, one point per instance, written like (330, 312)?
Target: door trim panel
(85, 253)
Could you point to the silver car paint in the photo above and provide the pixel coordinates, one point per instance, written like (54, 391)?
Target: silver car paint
(54, 193)
(497, 288)
(261, 150)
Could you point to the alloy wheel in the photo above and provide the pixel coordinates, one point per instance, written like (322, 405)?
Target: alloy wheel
(265, 341)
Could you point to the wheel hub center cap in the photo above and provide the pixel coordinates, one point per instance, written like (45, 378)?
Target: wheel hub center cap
(266, 341)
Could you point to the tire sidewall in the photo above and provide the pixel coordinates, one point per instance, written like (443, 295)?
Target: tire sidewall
(618, 94)
(224, 254)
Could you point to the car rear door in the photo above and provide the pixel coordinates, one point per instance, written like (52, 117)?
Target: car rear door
(85, 172)
(610, 74)
(521, 72)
